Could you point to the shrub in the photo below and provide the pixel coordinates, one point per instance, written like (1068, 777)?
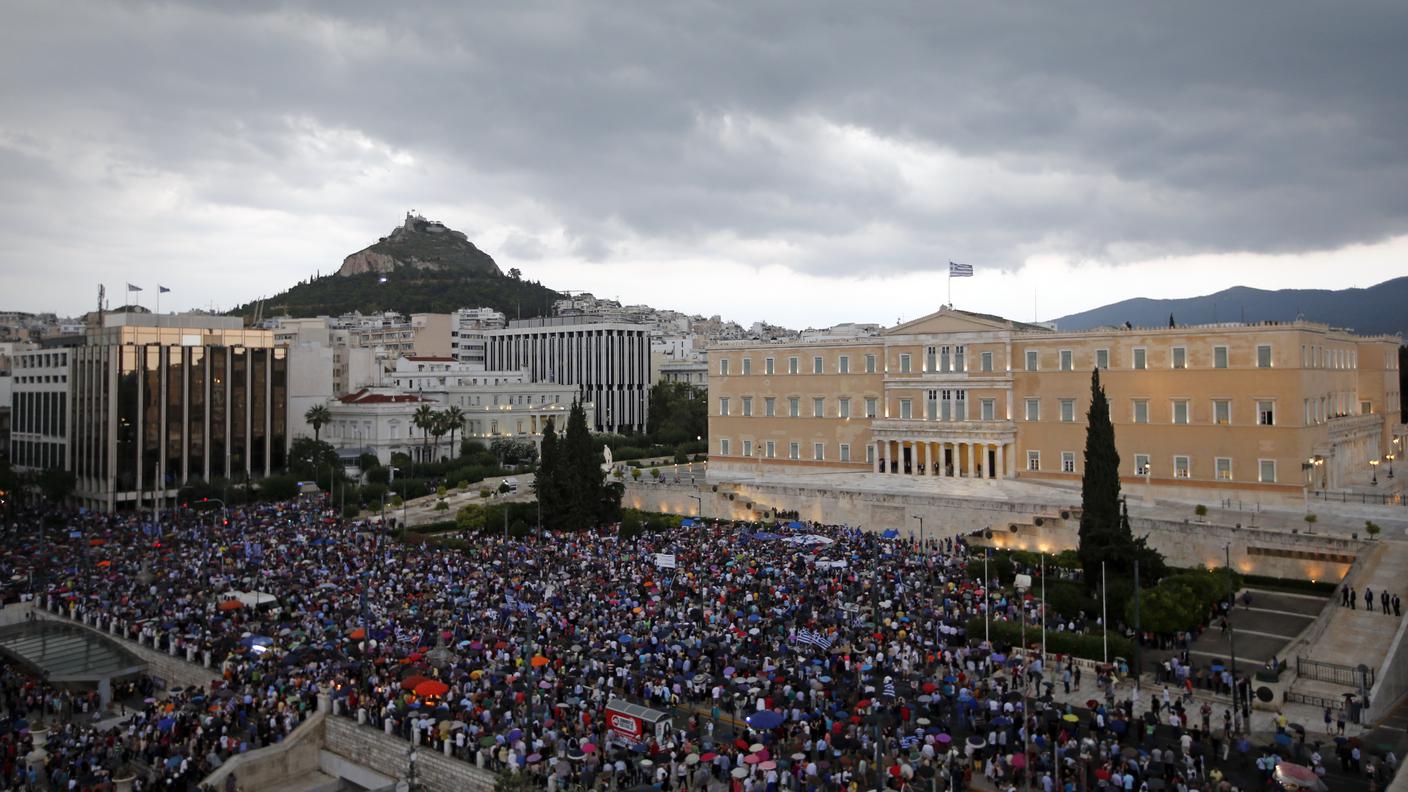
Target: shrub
(655, 473)
(438, 526)
(440, 491)
(396, 501)
(1200, 510)
(484, 492)
(1311, 519)
(463, 486)
(441, 505)
(1090, 647)
(350, 511)
(1372, 528)
(635, 473)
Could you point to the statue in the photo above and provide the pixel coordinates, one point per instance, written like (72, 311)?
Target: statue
(607, 459)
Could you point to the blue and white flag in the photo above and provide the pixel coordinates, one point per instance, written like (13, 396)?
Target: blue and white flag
(960, 270)
(161, 289)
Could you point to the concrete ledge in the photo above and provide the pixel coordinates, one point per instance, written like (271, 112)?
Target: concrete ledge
(172, 669)
(296, 755)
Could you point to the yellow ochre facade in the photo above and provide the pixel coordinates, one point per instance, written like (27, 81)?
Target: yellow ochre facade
(1233, 409)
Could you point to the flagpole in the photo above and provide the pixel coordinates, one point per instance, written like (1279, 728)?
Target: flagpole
(950, 285)
(158, 310)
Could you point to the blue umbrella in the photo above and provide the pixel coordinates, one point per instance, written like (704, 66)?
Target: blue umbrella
(890, 534)
(165, 724)
(764, 720)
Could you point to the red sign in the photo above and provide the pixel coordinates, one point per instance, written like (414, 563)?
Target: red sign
(628, 726)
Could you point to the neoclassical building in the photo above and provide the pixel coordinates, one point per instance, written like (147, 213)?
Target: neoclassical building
(1266, 407)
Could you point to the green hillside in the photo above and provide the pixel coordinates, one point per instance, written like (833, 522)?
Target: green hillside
(409, 290)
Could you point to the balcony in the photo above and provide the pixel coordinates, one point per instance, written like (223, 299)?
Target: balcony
(897, 428)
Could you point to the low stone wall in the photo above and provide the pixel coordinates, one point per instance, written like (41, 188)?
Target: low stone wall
(388, 754)
(1391, 680)
(1025, 525)
(296, 755)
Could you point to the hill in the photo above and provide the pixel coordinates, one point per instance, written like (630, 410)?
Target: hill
(1377, 309)
(422, 266)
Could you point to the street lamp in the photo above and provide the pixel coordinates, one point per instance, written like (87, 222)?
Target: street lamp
(1149, 481)
(699, 501)
(1023, 584)
(1374, 466)
(1232, 640)
(920, 518)
(1389, 457)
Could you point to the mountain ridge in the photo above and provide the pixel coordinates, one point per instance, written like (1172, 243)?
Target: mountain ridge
(1381, 309)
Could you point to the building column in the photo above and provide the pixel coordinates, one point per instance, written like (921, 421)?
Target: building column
(936, 457)
(1001, 461)
(887, 456)
(921, 457)
(971, 471)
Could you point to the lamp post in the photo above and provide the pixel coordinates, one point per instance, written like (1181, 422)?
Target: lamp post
(1149, 481)
(920, 518)
(1374, 466)
(1232, 641)
(1023, 584)
(699, 501)
(1389, 456)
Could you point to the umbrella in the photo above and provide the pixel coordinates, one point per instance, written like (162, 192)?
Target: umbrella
(588, 747)
(431, 688)
(763, 720)
(539, 661)
(410, 682)
(231, 604)
(357, 634)
(165, 724)
(740, 772)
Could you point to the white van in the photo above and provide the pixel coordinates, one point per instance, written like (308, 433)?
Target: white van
(512, 484)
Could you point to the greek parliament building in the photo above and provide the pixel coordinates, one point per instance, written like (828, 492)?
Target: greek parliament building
(1269, 408)
(135, 410)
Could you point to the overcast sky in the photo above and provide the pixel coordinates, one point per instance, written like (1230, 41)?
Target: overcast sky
(802, 162)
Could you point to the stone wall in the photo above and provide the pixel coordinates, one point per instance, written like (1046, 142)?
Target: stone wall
(271, 765)
(1027, 525)
(385, 753)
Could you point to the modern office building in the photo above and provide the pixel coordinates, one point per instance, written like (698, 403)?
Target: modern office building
(608, 362)
(1267, 408)
(136, 410)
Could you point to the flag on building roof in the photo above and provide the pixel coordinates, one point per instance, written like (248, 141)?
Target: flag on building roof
(162, 289)
(130, 287)
(960, 270)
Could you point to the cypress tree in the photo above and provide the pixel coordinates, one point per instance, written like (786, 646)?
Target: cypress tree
(548, 482)
(1100, 486)
(580, 474)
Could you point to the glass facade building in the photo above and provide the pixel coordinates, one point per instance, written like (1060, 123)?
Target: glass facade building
(156, 408)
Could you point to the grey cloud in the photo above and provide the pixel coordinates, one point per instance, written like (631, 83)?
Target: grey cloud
(1258, 126)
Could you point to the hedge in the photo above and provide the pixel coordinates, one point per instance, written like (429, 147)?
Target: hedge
(1090, 647)
(439, 526)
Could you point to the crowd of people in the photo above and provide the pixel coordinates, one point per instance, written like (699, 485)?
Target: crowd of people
(796, 656)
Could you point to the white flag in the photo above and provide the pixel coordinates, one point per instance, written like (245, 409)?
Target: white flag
(665, 560)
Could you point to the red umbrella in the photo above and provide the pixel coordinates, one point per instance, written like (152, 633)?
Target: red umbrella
(431, 688)
(410, 682)
(929, 687)
(357, 634)
(231, 604)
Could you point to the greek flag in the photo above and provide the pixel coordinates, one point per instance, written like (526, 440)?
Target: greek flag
(960, 270)
(517, 604)
(814, 638)
(890, 689)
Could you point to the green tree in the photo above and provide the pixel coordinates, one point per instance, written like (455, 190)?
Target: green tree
(57, 484)
(581, 474)
(548, 481)
(678, 413)
(317, 417)
(424, 420)
(310, 459)
(454, 420)
(1099, 487)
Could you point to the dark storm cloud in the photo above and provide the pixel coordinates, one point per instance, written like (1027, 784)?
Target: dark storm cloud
(864, 137)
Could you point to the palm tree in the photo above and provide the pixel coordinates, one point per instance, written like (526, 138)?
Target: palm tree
(454, 419)
(424, 420)
(317, 416)
(439, 427)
